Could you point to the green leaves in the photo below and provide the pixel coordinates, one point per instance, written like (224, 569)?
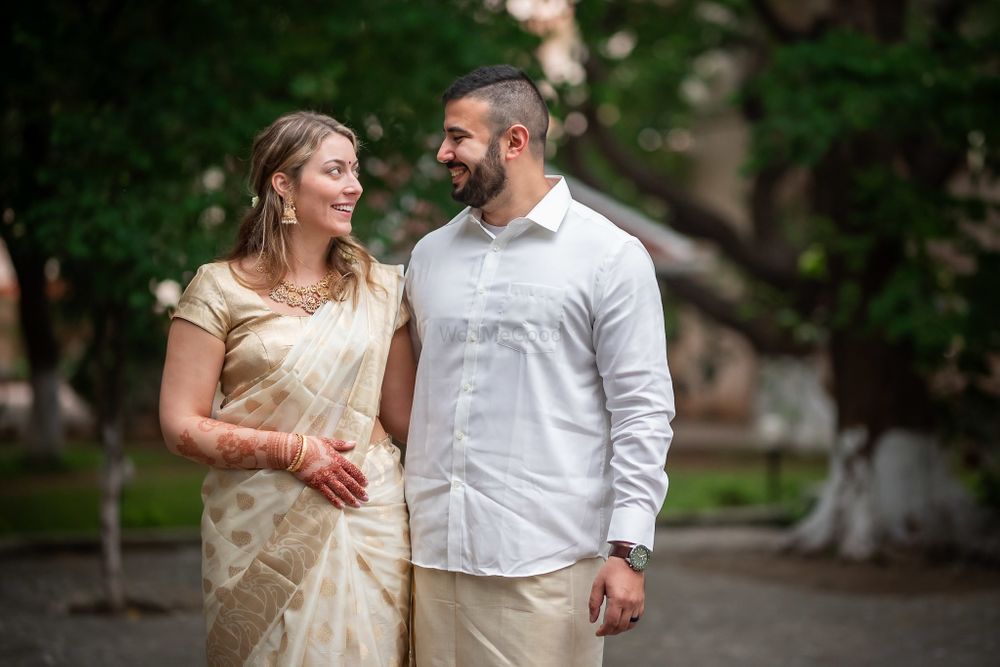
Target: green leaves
(871, 169)
(821, 92)
(115, 111)
(817, 93)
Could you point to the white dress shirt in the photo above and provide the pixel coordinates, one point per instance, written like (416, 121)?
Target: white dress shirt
(541, 417)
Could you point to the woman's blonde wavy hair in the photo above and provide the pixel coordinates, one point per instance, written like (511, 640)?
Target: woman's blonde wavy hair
(285, 146)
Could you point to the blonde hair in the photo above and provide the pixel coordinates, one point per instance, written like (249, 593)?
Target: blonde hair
(285, 146)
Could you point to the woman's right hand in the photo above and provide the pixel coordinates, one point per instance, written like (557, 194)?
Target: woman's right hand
(325, 470)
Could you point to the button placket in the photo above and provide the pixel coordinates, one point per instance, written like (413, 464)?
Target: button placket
(456, 514)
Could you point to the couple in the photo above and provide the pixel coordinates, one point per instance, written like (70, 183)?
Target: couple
(525, 369)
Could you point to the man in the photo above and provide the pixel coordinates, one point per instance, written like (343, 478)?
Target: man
(541, 418)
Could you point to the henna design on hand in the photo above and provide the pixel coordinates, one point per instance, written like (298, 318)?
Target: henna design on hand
(235, 450)
(206, 425)
(243, 447)
(280, 449)
(331, 474)
(187, 447)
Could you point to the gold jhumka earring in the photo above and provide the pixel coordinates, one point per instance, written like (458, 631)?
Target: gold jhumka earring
(288, 213)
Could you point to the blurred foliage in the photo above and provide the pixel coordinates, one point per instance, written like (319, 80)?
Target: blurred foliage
(817, 93)
(932, 92)
(893, 227)
(127, 129)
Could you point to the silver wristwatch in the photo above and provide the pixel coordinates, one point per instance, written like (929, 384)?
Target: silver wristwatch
(637, 556)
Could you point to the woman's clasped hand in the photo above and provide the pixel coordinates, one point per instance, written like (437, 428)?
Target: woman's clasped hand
(324, 469)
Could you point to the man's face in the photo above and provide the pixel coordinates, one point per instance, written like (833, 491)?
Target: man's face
(471, 153)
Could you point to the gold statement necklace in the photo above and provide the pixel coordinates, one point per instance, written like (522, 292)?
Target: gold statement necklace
(308, 297)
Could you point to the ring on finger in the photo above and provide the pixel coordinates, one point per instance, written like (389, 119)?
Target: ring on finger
(634, 619)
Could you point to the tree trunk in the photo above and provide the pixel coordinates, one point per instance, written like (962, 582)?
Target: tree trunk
(44, 435)
(112, 481)
(110, 368)
(889, 485)
(20, 190)
(895, 492)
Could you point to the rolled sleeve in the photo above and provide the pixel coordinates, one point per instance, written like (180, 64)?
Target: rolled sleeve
(631, 352)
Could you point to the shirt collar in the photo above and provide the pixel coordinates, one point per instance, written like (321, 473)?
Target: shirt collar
(549, 212)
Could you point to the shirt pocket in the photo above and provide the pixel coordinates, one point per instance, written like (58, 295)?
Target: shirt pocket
(531, 318)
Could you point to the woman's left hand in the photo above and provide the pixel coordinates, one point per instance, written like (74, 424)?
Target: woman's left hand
(325, 470)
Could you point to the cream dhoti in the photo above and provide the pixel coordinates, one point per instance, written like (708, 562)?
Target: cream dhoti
(537, 621)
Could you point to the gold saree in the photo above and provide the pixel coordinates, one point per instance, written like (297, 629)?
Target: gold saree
(288, 578)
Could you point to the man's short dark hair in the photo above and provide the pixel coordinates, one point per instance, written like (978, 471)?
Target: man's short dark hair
(513, 98)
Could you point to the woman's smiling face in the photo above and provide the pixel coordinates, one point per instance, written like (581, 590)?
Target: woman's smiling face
(328, 187)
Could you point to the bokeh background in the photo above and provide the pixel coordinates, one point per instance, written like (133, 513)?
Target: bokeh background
(815, 180)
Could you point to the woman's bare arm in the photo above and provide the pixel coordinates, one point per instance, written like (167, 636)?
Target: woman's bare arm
(397, 385)
(190, 375)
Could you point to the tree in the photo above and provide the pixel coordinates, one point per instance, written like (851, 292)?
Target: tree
(22, 153)
(127, 129)
(881, 261)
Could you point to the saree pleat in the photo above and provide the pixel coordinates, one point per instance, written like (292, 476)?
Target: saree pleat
(288, 578)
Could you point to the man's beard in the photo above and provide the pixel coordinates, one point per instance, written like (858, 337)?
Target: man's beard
(486, 182)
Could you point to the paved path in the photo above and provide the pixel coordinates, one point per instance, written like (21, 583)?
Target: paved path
(717, 597)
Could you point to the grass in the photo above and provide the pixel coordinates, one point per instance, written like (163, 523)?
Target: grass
(165, 490)
(740, 481)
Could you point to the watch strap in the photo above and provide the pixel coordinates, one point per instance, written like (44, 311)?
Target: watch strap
(621, 551)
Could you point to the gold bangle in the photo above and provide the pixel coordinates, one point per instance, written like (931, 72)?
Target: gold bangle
(297, 461)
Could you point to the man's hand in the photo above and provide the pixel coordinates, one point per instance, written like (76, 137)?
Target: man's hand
(626, 593)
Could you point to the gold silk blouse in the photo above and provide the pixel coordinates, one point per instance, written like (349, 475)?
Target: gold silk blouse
(256, 337)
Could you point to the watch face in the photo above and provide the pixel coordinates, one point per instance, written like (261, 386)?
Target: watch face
(638, 558)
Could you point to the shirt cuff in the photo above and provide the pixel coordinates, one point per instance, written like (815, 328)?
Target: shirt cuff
(631, 524)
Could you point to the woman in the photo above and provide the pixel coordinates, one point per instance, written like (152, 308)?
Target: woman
(305, 543)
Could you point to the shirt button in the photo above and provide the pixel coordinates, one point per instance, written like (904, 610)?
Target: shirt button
(455, 484)
(482, 290)
(459, 435)
(466, 387)
(472, 338)
(495, 248)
